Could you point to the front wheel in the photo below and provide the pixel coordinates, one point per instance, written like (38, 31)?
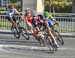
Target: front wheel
(59, 38)
(25, 33)
(50, 44)
(15, 32)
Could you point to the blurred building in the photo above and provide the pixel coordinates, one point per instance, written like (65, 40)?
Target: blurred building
(35, 5)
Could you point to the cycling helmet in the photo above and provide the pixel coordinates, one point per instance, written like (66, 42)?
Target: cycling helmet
(41, 16)
(27, 9)
(46, 14)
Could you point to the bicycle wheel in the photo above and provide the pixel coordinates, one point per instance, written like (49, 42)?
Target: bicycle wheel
(50, 44)
(25, 33)
(16, 32)
(59, 38)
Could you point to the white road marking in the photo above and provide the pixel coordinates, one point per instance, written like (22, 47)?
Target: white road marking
(39, 48)
(59, 56)
(35, 47)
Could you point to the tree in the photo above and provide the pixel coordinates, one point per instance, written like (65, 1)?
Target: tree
(13, 1)
(17, 5)
(57, 5)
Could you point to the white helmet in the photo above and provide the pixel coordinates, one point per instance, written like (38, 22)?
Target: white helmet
(27, 9)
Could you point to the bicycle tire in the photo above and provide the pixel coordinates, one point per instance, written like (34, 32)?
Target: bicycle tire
(59, 38)
(16, 32)
(25, 33)
(50, 44)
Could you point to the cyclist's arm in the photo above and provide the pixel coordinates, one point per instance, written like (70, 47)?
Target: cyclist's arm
(19, 14)
(26, 19)
(53, 19)
(46, 26)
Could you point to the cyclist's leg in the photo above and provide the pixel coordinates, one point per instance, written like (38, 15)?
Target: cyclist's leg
(11, 21)
(41, 37)
(14, 21)
(50, 34)
(35, 30)
(30, 28)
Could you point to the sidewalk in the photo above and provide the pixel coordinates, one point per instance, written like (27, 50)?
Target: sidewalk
(68, 34)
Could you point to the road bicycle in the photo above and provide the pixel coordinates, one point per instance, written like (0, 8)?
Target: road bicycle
(55, 32)
(19, 31)
(57, 35)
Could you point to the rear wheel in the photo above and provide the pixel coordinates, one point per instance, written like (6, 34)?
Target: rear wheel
(16, 32)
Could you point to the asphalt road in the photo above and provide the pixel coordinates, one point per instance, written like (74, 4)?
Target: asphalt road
(10, 47)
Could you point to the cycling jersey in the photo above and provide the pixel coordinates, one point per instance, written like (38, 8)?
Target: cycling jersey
(49, 22)
(50, 16)
(11, 13)
(29, 19)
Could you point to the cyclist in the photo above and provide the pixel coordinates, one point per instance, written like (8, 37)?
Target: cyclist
(11, 14)
(48, 24)
(36, 29)
(35, 22)
(28, 19)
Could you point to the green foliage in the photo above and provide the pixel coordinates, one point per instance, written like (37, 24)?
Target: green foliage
(13, 1)
(59, 5)
(2, 8)
(18, 7)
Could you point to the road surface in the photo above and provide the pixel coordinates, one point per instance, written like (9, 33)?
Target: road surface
(10, 47)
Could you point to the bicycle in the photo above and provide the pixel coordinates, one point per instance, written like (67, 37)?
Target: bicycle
(18, 31)
(58, 36)
(52, 47)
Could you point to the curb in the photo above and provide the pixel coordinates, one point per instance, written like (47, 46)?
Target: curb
(71, 34)
(68, 34)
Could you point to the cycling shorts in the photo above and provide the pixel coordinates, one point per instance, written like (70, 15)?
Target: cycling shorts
(9, 19)
(50, 23)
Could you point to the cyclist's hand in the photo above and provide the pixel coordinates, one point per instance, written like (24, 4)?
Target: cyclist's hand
(57, 23)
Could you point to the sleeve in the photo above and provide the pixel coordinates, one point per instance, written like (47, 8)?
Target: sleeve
(9, 14)
(51, 17)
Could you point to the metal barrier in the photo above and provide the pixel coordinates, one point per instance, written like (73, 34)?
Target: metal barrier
(67, 24)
